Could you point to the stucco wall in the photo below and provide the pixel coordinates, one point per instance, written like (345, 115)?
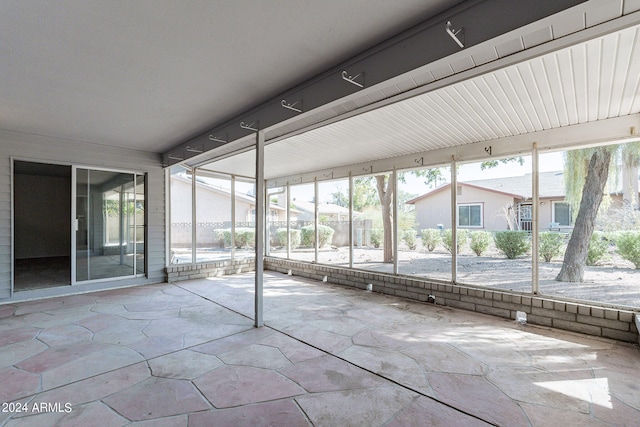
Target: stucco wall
(436, 209)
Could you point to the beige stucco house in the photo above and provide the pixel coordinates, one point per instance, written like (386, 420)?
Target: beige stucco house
(496, 204)
(213, 210)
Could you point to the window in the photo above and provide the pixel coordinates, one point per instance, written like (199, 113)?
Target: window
(561, 213)
(470, 215)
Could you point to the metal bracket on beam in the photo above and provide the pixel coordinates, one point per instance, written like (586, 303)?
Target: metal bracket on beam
(292, 107)
(353, 79)
(252, 127)
(194, 150)
(454, 34)
(220, 140)
(172, 157)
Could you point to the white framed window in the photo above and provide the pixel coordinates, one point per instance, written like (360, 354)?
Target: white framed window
(470, 215)
(562, 213)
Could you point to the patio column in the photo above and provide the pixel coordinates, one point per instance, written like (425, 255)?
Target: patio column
(535, 256)
(350, 220)
(193, 216)
(288, 221)
(259, 227)
(315, 218)
(454, 221)
(233, 217)
(394, 224)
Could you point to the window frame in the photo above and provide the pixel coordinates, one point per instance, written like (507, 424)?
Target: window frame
(554, 220)
(480, 204)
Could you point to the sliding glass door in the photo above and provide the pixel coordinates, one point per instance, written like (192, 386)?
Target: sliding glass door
(108, 224)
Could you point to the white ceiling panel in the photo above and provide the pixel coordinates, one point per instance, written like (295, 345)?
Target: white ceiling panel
(590, 81)
(595, 80)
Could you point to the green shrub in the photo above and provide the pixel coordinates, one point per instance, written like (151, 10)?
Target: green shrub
(226, 236)
(512, 243)
(550, 245)
(598, 246)
(431, 238)
(244, 237)
(409, 238)
(325, 235)
(480, 241)
(218, 237)
(461, 238)
(296, 237)
(629, 247)
(377, 237)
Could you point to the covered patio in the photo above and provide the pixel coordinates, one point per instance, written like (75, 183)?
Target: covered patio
(188, 354)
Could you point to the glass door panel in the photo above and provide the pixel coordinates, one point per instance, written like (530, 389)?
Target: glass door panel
(106, 224)
(139, 225)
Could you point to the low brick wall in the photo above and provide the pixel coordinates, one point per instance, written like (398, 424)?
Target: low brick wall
(588, 319)
(177, 273)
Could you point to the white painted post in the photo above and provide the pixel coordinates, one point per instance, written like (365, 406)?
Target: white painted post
(259, 227)
(350, 220)
(316, 219)
(193, 216)
(454, 220)
(233, 217)
(288, 221)
(535, 248)
(394, 224)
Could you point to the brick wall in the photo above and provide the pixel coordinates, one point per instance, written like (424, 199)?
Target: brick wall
(577, 317)
(178, 273)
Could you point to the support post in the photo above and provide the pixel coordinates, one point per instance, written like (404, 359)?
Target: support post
(394, 223)
(315, 219)
(167, 226)
(350, 220)
(454, 221)
(260, 214)
(288, 221)
(193, 216)
(233, 217)
(535, 227)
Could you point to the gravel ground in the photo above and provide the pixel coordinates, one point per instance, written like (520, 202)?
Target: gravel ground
(613, 281)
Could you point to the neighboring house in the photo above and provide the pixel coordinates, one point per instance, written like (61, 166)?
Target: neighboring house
(213, 211)
(327, 211)
(496, 204)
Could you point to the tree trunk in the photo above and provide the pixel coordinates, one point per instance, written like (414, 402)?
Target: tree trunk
(385, 193)
(630, 185)
(575, 256)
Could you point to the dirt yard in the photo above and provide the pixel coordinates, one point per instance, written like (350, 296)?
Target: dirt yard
(613, 281)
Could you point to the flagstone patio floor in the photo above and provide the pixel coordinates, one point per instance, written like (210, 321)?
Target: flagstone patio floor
(187, 354)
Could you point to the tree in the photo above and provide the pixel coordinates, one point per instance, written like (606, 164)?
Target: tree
(385, 193)
(590, 166)
(364, 195)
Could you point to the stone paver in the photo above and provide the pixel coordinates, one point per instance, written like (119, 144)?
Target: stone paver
(268, 414)
(157, 398)
(242, 385)
(163, 355)
(185, 364)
